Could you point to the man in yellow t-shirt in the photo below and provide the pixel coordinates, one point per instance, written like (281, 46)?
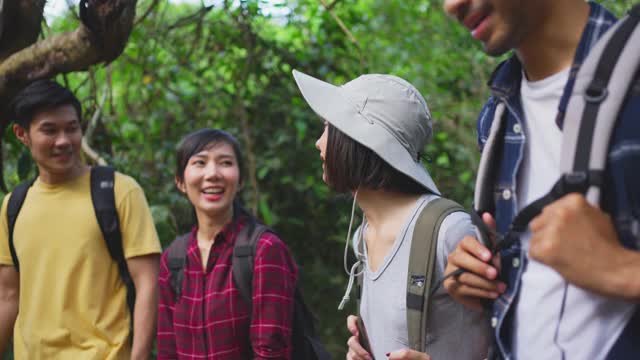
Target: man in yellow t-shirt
(67, 300)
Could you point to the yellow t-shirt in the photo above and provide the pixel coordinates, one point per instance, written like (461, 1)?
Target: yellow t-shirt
(72, 301)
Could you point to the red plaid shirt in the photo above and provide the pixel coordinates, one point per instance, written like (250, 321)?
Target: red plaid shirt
(211, 319)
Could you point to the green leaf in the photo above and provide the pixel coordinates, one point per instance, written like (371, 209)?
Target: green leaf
(25, 164)
(265, 212)
(443, 160)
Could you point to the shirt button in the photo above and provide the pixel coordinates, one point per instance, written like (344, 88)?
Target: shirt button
(506, 194)
(516, 262)
(517, 128)
(494, 322)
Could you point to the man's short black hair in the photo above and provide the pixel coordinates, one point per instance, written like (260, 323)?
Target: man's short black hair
(41, 95)
(350, 165)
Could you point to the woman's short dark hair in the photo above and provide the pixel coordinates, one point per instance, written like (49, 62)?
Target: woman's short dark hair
(41, 95)
(350, 165)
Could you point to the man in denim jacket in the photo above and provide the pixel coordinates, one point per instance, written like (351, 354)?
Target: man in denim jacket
(570, 288)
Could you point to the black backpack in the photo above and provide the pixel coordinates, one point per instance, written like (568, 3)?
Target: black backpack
(305, 342)
(104, 205)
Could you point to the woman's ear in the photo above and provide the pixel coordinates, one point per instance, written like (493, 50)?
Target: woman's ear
(180, 185)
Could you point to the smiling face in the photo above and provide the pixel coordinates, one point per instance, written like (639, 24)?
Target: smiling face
(211, 180)
(501, 25)
(54, 138)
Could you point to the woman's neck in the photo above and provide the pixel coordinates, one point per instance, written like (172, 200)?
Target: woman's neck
(385, 211)
(210, 225)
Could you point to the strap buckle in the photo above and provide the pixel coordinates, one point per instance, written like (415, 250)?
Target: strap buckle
(595, 93)
(574, 182)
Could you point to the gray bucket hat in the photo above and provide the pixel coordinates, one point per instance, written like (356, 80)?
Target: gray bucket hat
(382, 112)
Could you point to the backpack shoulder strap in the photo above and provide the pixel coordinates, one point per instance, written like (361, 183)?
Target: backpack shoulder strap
(602, 83)
(244, 252)
(483, 197)
(422, 260)
(104, 205)
(176, 261)
(18, 195)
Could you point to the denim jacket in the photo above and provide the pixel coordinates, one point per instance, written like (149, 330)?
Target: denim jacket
(621, 193)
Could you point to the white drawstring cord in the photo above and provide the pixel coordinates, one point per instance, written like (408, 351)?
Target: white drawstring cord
(346, 243)
(352, 276)
(352, 273)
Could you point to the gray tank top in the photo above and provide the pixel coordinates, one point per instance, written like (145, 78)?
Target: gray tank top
(456, 332)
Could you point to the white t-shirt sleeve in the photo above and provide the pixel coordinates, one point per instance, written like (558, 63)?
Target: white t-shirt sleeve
(452, 230)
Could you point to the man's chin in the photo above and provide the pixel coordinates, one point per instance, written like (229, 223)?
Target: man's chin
(62, 168)
(496, 50)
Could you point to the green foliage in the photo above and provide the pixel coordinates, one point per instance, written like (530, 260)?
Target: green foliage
(187, 67)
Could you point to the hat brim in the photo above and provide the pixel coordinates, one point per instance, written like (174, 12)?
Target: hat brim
(330, 103)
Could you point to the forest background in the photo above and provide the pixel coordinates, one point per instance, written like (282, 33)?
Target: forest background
(227, 64)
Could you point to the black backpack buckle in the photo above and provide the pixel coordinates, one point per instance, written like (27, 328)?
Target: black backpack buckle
(574, 182)
(595, 93)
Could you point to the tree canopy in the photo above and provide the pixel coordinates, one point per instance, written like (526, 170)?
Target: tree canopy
(188, 66)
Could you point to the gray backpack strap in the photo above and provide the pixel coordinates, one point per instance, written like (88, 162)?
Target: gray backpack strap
(422, 261)
(363, 337)
(601, 86)
(176, 261)
(600, 89)
(483, 198)
(244, 253)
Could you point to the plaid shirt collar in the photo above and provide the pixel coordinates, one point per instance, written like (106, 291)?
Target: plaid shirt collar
(226, 236)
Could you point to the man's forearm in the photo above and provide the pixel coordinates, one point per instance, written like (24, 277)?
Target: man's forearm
(144, 322)
(9, 300)
(8, 314)
(623, 281)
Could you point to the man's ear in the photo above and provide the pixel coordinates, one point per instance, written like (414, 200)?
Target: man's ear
(180, 185)
(22, 134)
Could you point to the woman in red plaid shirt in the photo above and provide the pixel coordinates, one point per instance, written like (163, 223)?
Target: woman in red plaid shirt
(211, 319)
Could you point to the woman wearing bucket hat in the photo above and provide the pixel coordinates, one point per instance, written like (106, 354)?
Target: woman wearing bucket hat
(375, 128)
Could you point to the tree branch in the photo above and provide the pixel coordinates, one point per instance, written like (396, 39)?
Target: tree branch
(72, 51)
(241, 111)
(92, 154)
(102, 36)
(330, 6)
(95, 117)
(341, 24)
(2, 15)
(21, 23)
(151, 7)
(197, 16)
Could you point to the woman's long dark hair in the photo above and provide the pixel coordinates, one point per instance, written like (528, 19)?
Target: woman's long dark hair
(204, 139)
